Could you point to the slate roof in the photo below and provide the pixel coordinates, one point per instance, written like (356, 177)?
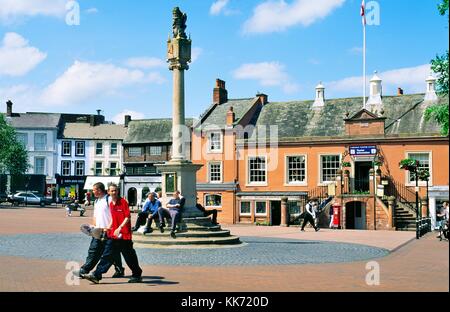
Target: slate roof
(218, 116)
(35, 120)
(86, 131)
(149, 131)
(297, 120)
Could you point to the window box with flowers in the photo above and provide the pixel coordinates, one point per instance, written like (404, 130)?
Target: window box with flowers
(409, 164)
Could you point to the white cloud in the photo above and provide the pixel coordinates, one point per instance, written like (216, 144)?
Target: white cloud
(23, 96)
(276, 16)
(17, 58)
(120, 118)
(268, 74)
(92, 11)
(410, 79)
(196, 52)
(155, 77)
(145, 62)
(87, 80)
(10, 10)
(218, 6)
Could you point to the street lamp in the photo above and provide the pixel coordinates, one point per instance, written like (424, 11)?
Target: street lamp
(417, 204)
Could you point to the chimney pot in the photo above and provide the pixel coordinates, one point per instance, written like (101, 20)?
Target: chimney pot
(263, 98)
(9, 105)
(230, 117)
(399, 91)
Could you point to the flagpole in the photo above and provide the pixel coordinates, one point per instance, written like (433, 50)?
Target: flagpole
(364, 66)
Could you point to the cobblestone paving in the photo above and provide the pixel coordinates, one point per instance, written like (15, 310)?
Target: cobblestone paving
(255, 251)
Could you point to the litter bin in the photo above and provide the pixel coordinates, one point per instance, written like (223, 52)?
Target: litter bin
(336, 216)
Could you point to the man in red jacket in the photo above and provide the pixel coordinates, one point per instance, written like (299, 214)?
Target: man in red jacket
(119, 240)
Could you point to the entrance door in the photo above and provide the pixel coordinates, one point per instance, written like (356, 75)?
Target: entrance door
(362, 175)
(132, 196)
(275, 209)
(355, 216)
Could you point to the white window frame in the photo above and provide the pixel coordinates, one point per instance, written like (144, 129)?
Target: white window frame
(44, 135)
(158, 148)
(220, 142)
(96, 148)
(240, 208)
(286, 171)
(63, 148)
(249, 183)
(45, 165)
(256, 207)
(321, 182)
(209, 171)
(111, 149)
(430, 161)
(116, 169)
(206, 202)
(95, 168)
(69, 168)
(75, 168)
(76, 148)
(22, 137)
(135, 147)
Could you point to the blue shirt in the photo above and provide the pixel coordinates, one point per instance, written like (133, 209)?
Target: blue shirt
(152, 207)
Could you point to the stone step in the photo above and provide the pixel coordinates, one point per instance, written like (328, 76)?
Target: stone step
(149, 241)
(404, 229)
(158, 234)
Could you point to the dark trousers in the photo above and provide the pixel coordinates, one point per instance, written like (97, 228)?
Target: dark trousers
(96, 249)
(212, 212)
(172, 213)
(113, 248)
(308, 218)
(142, 216)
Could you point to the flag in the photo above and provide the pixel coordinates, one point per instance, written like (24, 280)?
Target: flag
(363, 13)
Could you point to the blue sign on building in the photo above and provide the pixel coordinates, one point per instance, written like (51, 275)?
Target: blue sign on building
(364, 150)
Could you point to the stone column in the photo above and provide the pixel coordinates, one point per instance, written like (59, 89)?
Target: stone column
(178, 144)
(284, 212)
(372, 186)
(391, 207)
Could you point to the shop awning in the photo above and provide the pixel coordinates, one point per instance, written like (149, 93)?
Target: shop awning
(90, 181)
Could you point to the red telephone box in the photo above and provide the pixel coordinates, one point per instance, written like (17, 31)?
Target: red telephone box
(336, 216)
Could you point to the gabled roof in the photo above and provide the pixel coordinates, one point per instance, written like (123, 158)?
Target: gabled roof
(35, 120)
(297, 120)
(364, 115)
(86, 132)
(216, 115)
(148, 131)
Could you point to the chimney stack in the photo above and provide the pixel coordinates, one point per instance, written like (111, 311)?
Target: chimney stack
(399, 91)
(92, 120)
(9, 105)
(127, 120)
(220, 94)
(263, 98)
(230, 117)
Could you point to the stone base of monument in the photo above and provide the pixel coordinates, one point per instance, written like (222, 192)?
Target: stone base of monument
(192, 231)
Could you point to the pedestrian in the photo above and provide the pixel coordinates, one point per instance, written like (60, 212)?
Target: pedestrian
(149, 212)
(442, 217)
(101, 219)
(119, 240)
(173, 211)
(309, 216)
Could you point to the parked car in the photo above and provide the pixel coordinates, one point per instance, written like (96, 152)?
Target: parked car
(28, 198)
(3, 197)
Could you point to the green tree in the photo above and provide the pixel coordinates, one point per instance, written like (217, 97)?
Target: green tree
(439, 112)
(13, 155)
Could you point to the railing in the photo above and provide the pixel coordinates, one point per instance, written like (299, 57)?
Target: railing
(402, 193)
(318, 193)
(423, 226)
(359, 186)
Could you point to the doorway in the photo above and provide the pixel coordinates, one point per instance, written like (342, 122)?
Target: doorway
(275, 212)
(132, 196)
(355, 216)
(361, 182)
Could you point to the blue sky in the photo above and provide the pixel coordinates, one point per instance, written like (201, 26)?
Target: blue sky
(114, 59)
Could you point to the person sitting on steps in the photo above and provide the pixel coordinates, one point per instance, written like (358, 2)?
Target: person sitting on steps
(149, 212)
(208, 212)
(173, 211)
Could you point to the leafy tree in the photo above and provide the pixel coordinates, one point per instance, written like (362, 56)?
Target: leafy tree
(13, 155)
(439, 65)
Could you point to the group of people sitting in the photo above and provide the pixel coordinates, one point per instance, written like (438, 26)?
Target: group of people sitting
(153, 210)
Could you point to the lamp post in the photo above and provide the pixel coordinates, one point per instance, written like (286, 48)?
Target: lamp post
(417, 204)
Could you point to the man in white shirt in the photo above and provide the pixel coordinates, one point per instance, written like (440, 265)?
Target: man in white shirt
(101, 219)
(310, 216)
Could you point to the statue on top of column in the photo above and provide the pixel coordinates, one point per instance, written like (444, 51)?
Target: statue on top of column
(179, 23)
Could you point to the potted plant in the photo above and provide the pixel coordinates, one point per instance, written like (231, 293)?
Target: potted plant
(409, 164)
(346, 164)
(423, 174)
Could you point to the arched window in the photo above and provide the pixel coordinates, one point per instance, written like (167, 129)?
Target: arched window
(213, 200)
